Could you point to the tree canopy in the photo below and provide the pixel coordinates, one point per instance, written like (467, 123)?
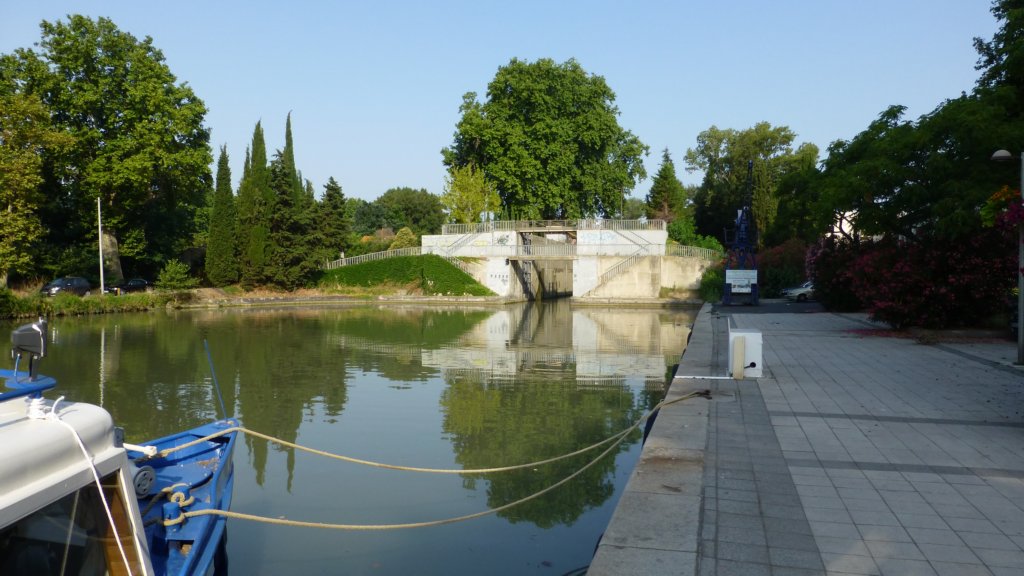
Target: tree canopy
(25, 135)
(139, 145)
(468, 196)
(549, 139)
(724, 155)
(667, 198)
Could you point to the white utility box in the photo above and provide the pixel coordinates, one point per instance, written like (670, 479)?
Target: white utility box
(745, 354)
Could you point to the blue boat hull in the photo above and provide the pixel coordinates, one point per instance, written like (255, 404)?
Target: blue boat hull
(191, 479)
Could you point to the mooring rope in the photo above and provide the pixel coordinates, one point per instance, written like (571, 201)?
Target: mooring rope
(241, 429)
(617, 438)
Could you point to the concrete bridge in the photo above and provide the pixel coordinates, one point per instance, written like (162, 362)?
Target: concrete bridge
(598, 259)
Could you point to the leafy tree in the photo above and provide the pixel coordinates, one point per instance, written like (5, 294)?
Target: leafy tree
(418, 209)
(140, 145)
(368, 217)
(633, 209)
(548, 137)
(917, 179)
(1001, 59)
(221, 263)
(724, 155)
(468, 195)
(25, 133)
(255, 200)
(332, 220)
(667, 198)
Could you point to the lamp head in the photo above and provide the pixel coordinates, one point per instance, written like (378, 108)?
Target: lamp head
(1002, 156)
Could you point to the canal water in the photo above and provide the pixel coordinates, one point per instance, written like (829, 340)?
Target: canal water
(459, 387)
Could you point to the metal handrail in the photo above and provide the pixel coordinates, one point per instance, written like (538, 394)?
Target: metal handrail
(552, 250)
(584, 224)
(693, 252)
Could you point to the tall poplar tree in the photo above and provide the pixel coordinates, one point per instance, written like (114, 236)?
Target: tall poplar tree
(221, 263)
(254, 204)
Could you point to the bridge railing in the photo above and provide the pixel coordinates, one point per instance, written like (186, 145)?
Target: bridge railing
(692, 252)
(415, 251)
(583, 224)
(540, 251)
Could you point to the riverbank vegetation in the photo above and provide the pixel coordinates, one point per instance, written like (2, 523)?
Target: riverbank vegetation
(907, 219)
(427, 275)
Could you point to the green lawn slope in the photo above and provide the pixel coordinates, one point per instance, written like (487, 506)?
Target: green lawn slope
(428, 274)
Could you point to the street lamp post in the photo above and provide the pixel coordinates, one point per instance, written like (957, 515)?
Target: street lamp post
(1005, 156)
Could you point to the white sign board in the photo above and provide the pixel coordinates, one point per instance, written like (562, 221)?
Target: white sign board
(741, 280)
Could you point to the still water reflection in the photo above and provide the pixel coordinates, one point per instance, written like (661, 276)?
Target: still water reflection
(429, 387)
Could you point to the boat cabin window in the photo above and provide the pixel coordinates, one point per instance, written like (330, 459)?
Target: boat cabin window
(72, 537)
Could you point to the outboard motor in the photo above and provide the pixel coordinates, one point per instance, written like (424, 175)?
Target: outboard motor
(29, 340)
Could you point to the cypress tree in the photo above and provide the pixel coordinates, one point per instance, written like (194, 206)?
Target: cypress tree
(221, 264)
(255, 200)
(332, 219)
(296, 246)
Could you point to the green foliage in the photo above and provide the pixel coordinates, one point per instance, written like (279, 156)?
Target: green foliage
(468, 196)
(140, 145)
(221, 262)
(332, 219)
(723, 156)
(936, 285)
(295, 250)
(682, 230)
(25, 133)
(255, 199)
(548, 137)
(417, 209)
(633, 209)
(919, 178)
(667, 199)
(405, 238)
(829, 264)
(368, 217)
(175, 276)
(781, 267)
(430, 273)
(712, 283)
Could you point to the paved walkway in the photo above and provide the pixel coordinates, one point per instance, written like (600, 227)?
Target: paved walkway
(854, 454)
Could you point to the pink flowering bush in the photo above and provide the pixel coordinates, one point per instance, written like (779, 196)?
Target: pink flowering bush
(930, 282)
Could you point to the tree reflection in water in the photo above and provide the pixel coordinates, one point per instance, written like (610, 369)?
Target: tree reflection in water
(445, 387)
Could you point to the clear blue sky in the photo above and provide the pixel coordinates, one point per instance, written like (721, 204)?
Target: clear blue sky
(374, 86)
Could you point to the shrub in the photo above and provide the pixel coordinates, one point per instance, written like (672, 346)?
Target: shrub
(781, 266)
(682, 231)
(938, 284)
(712, 282)
(829, 265)
(175, 276)
(930, 282)
(405, 238)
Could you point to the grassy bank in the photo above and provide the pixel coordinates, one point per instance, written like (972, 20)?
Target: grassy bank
(428, 275)
(412, 275)
(34, 305)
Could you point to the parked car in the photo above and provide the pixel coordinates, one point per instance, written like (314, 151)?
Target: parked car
(67, 285)
(127, 286)
(801, 293)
